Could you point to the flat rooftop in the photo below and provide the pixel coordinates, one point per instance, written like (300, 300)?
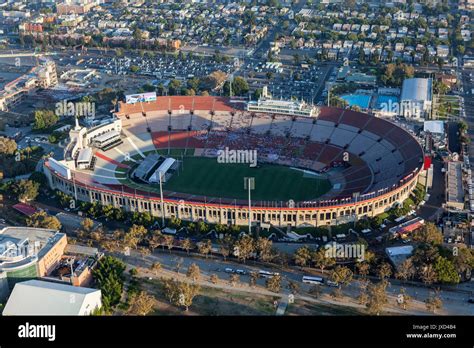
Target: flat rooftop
(46, 237)
(455, 192)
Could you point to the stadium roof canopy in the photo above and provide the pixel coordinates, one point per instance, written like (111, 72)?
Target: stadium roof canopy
(148, 164)
(163, 169)
(416, 89)
(107, 136)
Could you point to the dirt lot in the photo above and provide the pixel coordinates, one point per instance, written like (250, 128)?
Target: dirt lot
(302, 307)
(212, 301)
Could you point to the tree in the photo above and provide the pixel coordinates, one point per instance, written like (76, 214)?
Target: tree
(144, 252)
(429, 233)
(175, 222)
(179, 263)
(134, 235)
(225, 245)
(377, 297)
(406, 270)
(315, 290)
(87, 225)
(342, 276)
(43, 220)
(7, 146)
(363, 297)
(234, 279)
(205, 247)
(25, 190)
(428, 274)
(187, 244)
(253, 279)
(384, 270)
(403, 299)
(170, 289)
(185, 294)
(434, 302)
(302, 256)
(109, 276)
(193, 272)
(214, 278)
(156, 267)
(274, 283)
(240, 86)
(141, 304)
(446, 271)
(294, 287)
(264, 248)
(321, 260)
(154, 242)
(363, 268)
(169, 242)
(244, 247)
(44, 119)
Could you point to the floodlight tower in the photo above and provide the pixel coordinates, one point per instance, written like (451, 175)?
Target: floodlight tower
(169, 126)
(249, 184)
(162, 203)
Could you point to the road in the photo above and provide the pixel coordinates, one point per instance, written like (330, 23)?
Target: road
(455, 301)
(468, 86)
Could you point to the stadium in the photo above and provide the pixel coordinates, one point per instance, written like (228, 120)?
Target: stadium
(314, 166)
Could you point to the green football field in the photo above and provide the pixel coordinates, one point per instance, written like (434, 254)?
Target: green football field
(205, 176)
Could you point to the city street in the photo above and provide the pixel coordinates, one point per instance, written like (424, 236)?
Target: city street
(454, 301)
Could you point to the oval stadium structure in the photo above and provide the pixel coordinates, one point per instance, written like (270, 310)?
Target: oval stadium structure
(326, 167)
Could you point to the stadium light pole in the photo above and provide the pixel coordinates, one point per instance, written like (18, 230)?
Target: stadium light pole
(74, 185)
(162, 204)
(250, 182)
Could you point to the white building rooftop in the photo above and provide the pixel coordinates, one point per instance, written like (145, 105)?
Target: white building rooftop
(36, 297)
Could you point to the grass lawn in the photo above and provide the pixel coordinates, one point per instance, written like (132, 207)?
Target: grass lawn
(205, 176)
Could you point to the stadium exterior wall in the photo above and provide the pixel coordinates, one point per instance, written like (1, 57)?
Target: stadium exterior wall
(236, 214)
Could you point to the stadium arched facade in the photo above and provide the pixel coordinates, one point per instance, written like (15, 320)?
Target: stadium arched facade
(382, 170)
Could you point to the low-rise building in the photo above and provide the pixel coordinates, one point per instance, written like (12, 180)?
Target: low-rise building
(416, 98)
(27, 253)
(36, 297)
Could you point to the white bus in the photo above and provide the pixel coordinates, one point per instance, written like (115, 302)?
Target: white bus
(313, 280)
(266, 274)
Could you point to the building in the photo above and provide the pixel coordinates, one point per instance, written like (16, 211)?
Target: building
(397, 255)
(155, 167)
(416, 98)
(406, 227)
(37, 297)
(27, 253)
(75, 6)
(283, 107)
(41, 76)
(454, 186)
(396, 162)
